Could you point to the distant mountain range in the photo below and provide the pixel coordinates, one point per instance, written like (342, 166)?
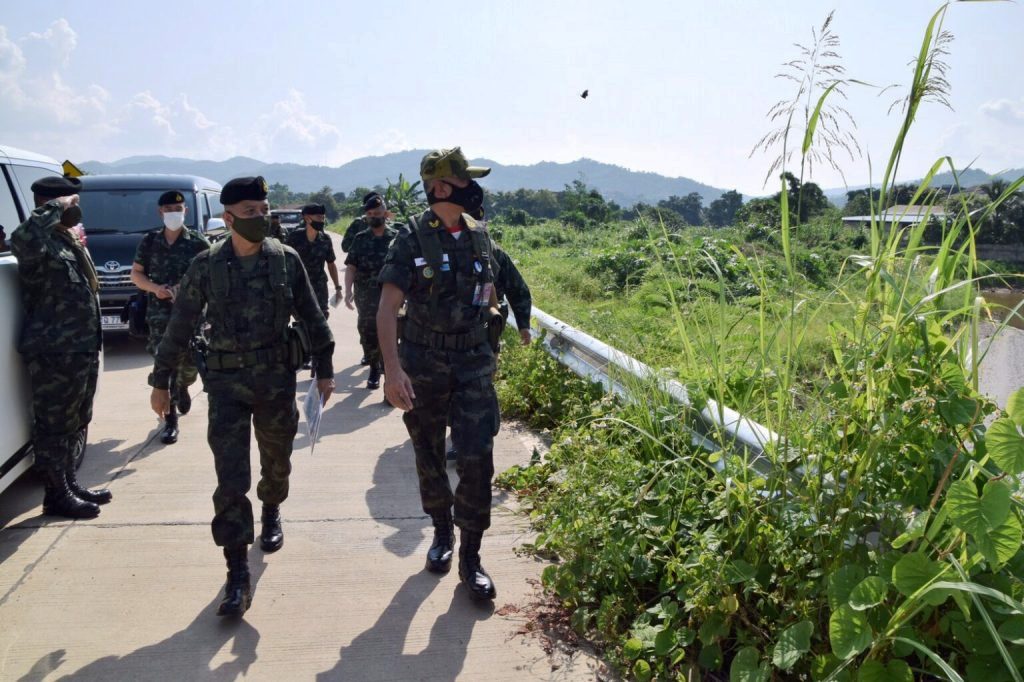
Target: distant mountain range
(972, 177)
(622, 185)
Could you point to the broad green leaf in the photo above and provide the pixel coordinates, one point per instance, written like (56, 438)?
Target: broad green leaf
(747, 666)
(978, 515)
(915, 530)
(632, 648)
(664, 642)
(1013, 630)
(824, 665)
(870, 592)
(793, 643)
(841, 584)
(739, 571)
(642, 670)
(849, 632)
(913, 572)
(875, 671)
(1001, 544)
(1006, 445)
(1015, 406)
(710, 657)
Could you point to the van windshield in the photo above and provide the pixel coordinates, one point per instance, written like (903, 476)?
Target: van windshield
(127, 210)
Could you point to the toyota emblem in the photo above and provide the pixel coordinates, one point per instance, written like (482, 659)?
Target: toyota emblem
(112, 265)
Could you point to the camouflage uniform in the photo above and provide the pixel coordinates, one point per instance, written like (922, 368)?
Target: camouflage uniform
(367, 257)
(355, 227)
(165, 263)
(315, 256)
(456, 380)
(509, 284)
(248, 328)
(60, 335)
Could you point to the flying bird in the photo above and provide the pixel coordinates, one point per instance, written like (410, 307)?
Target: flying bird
(584, 94)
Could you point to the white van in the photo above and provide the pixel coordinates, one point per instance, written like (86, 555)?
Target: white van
(18, 170)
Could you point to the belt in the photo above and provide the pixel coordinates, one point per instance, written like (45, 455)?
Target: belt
(261, 356)
(425, 337)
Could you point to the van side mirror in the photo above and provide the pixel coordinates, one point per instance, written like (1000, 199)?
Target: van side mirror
(215, 228)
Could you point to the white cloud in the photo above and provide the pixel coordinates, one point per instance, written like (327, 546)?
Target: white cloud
(1005, 111)
(290, 132)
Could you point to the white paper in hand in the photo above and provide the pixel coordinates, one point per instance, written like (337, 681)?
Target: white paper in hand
(313, 408)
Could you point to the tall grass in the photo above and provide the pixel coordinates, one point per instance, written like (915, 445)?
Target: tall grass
(885, 540)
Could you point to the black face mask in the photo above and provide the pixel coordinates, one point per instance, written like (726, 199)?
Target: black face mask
(470, 197)
(317, 225)
(376, 222)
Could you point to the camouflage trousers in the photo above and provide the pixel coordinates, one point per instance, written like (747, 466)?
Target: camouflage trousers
(367, 298)
(275, 421)
(320, 291)
(187, 372)
(456, 384)
(63, 387)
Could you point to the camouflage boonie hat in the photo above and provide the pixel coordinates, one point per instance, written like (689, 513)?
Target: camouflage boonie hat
(443, 163)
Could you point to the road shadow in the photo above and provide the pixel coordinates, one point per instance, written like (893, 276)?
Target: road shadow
(188, 653)
(394, 499)
(378, 653)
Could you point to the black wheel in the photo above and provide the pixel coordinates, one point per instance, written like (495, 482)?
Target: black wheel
(78, 445)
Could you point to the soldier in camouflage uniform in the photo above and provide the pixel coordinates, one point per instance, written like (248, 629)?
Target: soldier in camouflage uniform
(373, 207)
(442, 267)
(362, 265)
(316, 249)
(250, 287)
(161, 260)
(60, 340)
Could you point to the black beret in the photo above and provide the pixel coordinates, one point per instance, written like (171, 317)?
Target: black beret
(370, 195)
(371, 202)
(241, 189)
(172, 197)
(313, 209)
(53, 186)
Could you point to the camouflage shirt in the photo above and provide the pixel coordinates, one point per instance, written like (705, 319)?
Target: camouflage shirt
(511, 285)
(406, 268)
(315, 254)
(166, 264)
(357, 226)
(244, 320)
(62, 313)
(368, 253)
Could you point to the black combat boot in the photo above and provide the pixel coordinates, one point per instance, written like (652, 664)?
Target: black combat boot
(58, 500)
(272, 537)
(96, 496)
(182, 399)
(170, 434)
(473, 575)
(439, 556)
(373, 381)
(237, 590)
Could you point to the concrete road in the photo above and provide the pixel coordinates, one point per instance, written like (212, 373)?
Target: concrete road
(132, 595)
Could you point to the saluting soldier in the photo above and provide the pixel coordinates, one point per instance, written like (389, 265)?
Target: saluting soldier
(161, 260)
(60, 340)
(317, 250)
(443, 268)
(251, 287)
(362, 266)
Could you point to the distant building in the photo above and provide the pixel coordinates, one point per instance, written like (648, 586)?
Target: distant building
(904, 216)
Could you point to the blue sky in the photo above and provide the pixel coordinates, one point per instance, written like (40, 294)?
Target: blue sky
(679, 88)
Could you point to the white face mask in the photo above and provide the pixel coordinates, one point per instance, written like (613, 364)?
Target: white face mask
(174, 221)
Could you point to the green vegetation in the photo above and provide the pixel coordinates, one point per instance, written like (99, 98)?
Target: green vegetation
(883, 542)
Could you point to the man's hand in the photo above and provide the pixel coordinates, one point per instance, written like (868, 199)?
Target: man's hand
(67, 202)
(524, 336)
(163, 292)
(349, 297)
(326, 388)
(398, 389)
(160, 401)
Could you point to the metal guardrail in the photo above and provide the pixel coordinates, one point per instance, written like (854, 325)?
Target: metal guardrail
(719, 426)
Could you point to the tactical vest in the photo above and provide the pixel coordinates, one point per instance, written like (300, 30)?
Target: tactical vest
(220, 283)
(429, 240)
